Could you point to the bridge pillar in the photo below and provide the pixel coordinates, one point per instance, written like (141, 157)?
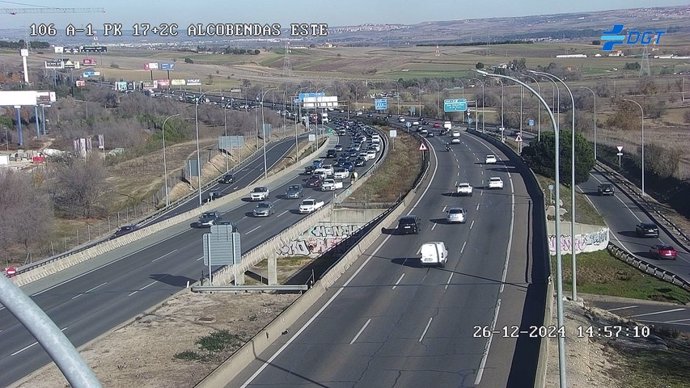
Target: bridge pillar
(272, 270)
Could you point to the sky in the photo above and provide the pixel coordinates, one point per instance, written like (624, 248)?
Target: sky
(334, 13)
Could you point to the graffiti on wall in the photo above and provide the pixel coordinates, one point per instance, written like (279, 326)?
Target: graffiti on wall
(317, 240)
(585, 242)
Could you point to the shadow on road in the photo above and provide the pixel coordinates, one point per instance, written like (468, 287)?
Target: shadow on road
(175, 281)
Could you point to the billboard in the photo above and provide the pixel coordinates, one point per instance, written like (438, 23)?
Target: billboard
(167, 66)
(320, 102)
(121, 86)
(80, 83)
(302, 96)
(163, 83)
(93, 49)
(177, 82)
(25, 97)
(148, 84)
(194, 82)
(45, 97)
(59, 49)
(88, 61)
(151, 66)
(54, 64)
(455, 105)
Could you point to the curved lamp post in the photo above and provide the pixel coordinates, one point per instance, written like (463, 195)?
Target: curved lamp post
(594, 95)
(642, 128)
(165, 165)
(559, 267)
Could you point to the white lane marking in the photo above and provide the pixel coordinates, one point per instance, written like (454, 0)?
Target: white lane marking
(463, 247)
(482, 172)
(360, 331)
(472, 224)
(243, 217)
(282, 213)
(458, 173)
(656, 313)
(676, 320)
(253, 230)
(622, 308)
(165, 255)
(510, 236)
(478, 209)
(482, 364)
(425, 329)
(23, 349)
(399, 279)
(448, 282)
(64, 328)
(444, 208)
(200, 258)
(142, 288)
(433, 226)
(328, 303)
(89, 290)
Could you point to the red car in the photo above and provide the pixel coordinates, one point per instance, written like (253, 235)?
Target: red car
(660, 251)
(437, 125)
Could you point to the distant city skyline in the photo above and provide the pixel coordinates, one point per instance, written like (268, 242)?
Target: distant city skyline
(352, 12)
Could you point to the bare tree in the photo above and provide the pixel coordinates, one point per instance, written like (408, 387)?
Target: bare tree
(26, 215)
(80, 185)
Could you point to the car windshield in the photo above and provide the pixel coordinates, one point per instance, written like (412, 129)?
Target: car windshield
(648, 226)
(406, 221)
(665, 248)
(208, 215)
(259, 189)
(263, 206)
(456, 211)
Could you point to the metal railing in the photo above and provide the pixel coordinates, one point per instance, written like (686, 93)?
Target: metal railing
(662, 274)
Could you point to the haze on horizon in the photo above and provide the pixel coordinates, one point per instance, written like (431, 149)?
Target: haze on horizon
(353, 12)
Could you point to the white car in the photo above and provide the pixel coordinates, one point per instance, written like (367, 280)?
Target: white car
(495, 183)
(491, 159)
(456, 134)
(456, 215)
(341, 173)
(310, 205)
(376, 146)
(331, 185)
(463, 189)
(455, 140)
(415, 123)
(326, 169)
(433, 253)
(371, 154)
(259, 194)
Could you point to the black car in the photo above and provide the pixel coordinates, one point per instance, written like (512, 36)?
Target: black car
(646, 229)
(213, 195)
(226, 179)
(605, 189)
(123, 230)
(206, 220)
(331, 153)
(338, 147)
(314, 181)
(408, 225)
(349, 166)
(359, 162)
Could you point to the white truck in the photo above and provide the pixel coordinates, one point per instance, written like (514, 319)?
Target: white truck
(324, 118)
(433, 253)
(310, 205)
(259, 194)
(331, 185)
(447, 125)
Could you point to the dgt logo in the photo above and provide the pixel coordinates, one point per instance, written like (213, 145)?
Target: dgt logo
(632, 37)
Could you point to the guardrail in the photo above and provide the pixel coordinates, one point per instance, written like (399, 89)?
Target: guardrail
(47, 267)
(649, 268)
(649, 207)
(278, 287)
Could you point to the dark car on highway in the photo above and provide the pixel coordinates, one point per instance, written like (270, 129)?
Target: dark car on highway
(123, 230)
(294, 191)
(226, 179)
(206, 220)
(314, 181)
(605, 189)
(331, 153)
(408, 225)
(646, 229)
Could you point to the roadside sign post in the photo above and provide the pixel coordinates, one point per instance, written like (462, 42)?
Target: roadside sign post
(518, 139)
(503, 140)
(393, 134)
(423, 147)
(619, 154)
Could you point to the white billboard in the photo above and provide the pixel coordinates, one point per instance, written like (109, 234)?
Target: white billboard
(18, 98)
(320, 102)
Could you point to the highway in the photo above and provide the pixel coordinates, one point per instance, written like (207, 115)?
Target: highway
(621, 215)
(390, 322)
(90, 299)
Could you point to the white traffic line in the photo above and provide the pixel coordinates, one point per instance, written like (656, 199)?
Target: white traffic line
(399, 279)
(478, 209)
(482, 364)
(199, 259)
(433, 226)
(89, 290)
(510, 236)
(23, 349)
(142, 288)
(622, 308)
(328, 303)
(472, 225)
(463, 247)
(426, 329)
(282, 213)
(444, 209)
(360, 331)
(254, 230)
(448, 282)
(165, 255)
(677, 320)
(656, 313)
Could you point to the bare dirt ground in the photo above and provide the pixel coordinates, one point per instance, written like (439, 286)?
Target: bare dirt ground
(142, 353)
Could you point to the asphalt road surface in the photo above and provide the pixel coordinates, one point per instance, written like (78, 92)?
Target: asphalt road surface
(391, 322)
(89, 300)
(668, 315)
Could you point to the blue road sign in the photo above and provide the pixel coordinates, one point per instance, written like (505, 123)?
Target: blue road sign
(302, 96)
(381, 104)
(530, 122)
(455, 105)
(167, 66)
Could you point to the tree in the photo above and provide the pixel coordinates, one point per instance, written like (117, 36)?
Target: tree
(80, 185)
(662, 161)
(26, 215)
(540, 156)
(188, 60)
(479, 66)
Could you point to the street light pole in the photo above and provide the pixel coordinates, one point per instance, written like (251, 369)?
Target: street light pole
(165, 165)
(559, 268)
(572, 181)
(263, 131)
(642, 127)
(595, 120)
(198, 153)
(538, 108)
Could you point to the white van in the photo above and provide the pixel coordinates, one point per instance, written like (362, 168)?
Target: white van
(433, 253)
(375, 138)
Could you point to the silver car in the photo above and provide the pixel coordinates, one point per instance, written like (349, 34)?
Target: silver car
(456, 215)
(263, 209)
